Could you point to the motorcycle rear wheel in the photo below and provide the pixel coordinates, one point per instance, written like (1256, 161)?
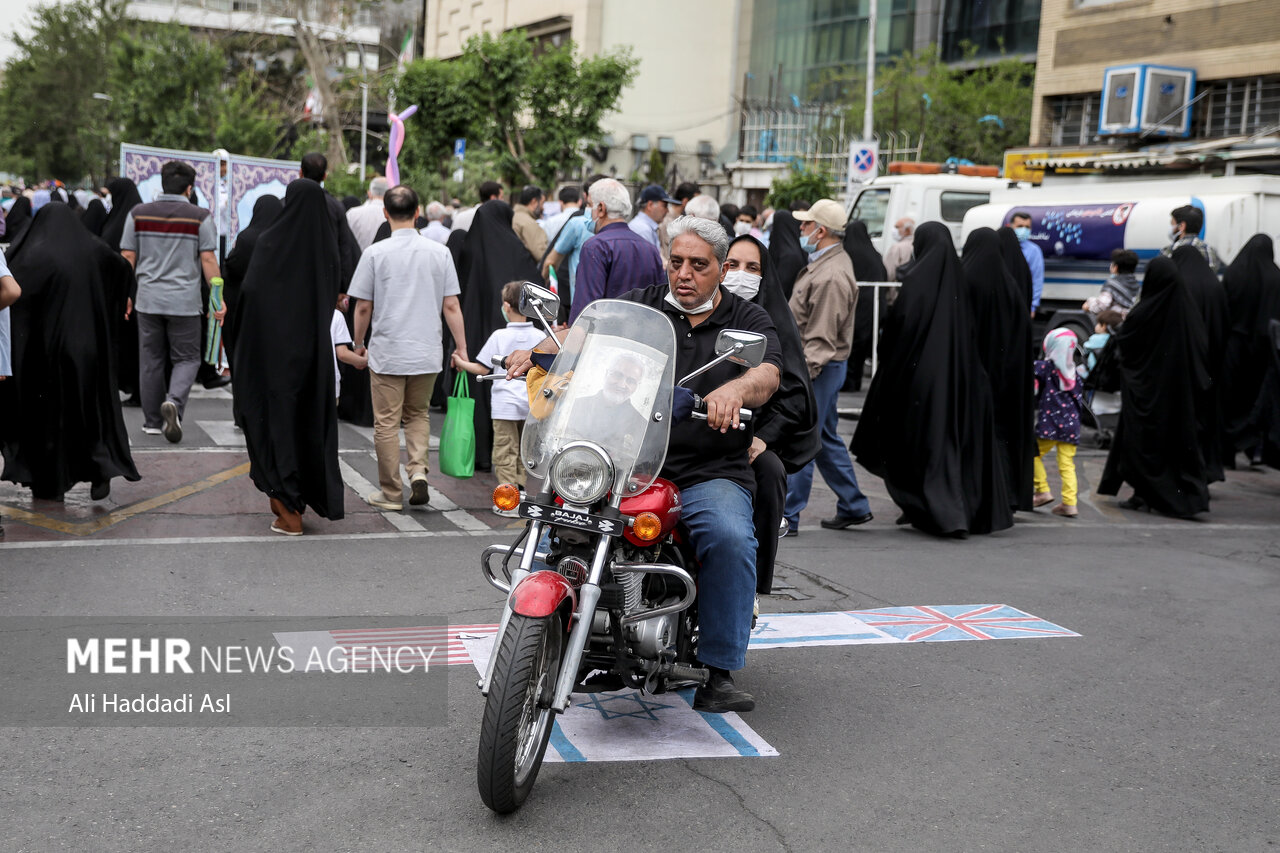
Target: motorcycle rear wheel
(517, 718)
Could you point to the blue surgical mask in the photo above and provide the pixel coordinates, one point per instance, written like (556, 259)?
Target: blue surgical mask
(1023, 234)
(807, 246)
(591, 224)
(1174, 233)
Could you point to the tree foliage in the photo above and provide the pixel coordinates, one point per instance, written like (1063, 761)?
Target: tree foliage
(800, 184)
(973, 113)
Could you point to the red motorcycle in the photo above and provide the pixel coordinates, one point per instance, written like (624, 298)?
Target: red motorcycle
(601, 592)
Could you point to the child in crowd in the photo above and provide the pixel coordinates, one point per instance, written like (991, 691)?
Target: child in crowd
(1058, 418)
(508, 400)
(342, 351)
(1119, 292)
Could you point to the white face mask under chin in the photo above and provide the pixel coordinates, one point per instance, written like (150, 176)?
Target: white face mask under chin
(701, 309)
(743, 284)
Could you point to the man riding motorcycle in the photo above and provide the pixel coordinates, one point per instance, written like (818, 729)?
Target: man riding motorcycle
(709, 462)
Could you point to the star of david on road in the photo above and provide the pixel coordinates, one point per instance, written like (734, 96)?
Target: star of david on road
(614, 705)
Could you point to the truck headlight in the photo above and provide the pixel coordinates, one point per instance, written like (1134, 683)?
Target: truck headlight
(581, 473)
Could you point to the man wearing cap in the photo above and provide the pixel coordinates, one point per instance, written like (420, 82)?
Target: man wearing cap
(823, 303)
(653, 209)
(683, 193)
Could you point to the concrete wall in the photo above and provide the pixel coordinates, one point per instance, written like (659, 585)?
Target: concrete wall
(1079, 40)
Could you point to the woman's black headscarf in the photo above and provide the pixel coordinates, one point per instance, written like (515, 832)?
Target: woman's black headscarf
(18, 216)
(785, 252)
(62, 423)
(867, 266)
(265, 212)
(491, 256)
(283, 357)
(1252, 285)
(350, 201)
(789, 422)
(928, 426)
(95, 216)
(1211, 301)
(1163, 351)
(1016, 263)
(124, 198)
(1002, 326)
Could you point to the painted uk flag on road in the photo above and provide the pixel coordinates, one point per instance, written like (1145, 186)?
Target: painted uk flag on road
(949, 622)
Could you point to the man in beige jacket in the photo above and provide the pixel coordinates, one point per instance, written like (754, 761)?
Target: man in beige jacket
(823, 303)
(524, 221)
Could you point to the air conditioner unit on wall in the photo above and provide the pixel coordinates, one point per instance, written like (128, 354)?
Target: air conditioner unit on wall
(1150, 100)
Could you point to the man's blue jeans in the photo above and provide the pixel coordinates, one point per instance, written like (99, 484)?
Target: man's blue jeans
(719, 518)
(832, 460)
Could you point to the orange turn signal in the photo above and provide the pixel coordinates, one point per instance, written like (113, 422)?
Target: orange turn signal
(647, 527)
(506, 496)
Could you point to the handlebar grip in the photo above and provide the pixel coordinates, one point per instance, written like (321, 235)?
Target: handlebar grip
(494, 377)
(744, 415)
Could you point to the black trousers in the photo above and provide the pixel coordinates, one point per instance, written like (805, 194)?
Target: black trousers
(771, 495)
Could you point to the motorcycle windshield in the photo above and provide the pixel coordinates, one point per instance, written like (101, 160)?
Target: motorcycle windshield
(611, 385)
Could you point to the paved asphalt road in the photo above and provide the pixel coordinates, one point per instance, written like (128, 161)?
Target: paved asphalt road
(1155, 729)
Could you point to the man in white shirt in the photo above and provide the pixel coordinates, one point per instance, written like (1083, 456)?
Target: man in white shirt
(366, 219)
(653, 209)
(900, 248)
(403, 285)
(435, 229)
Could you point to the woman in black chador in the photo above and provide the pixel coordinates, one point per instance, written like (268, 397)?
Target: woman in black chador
(1211, 303)
(1252, 285)
(1164, 363)
(784, 250)
(1002, 326)
(62, 423)
(283, 360)
(124, 198)
(867, 266)
(928, 425)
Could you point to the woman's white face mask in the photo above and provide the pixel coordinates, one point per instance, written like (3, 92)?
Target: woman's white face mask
(741, 228)
(741, 283)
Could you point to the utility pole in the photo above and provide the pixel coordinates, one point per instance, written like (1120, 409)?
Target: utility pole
(867, 115)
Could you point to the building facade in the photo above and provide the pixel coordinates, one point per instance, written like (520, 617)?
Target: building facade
(1233, 46)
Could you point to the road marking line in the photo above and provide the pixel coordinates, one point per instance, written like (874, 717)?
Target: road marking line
(363, 488)
(247, 540)
(84, 528)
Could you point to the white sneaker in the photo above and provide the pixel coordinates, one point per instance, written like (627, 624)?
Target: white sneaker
(375, 499)
(146, 430)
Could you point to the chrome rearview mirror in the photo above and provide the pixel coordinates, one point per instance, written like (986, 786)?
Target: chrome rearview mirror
(539, 303)
(745, 348)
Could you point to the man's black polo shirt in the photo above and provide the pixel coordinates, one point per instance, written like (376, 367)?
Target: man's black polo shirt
(696, 453)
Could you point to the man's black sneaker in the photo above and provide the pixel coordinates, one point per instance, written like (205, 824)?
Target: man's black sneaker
(719, 695)
(840, 522)
(216, 381)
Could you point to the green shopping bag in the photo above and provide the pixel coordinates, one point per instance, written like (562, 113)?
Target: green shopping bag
(458, 436)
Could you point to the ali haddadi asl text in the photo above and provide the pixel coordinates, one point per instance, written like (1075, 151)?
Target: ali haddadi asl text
(114, 703)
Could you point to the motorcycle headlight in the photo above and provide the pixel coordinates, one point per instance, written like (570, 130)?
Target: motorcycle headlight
(581, 473)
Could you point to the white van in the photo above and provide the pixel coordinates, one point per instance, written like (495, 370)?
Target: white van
(925, 198)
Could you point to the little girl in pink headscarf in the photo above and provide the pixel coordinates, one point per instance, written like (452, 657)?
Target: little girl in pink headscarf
(1058, 418)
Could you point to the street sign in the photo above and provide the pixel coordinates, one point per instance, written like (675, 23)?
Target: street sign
(864, 163)
(460, 149)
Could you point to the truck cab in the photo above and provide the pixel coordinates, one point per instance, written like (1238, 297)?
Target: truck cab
(941, 198)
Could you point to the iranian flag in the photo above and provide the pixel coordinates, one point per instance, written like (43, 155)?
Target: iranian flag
(406, 52)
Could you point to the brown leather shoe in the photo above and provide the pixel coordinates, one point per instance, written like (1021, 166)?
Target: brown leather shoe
(288, 522)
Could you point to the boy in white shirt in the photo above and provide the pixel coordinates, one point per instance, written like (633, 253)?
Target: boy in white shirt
(342, 350)
(508, 398)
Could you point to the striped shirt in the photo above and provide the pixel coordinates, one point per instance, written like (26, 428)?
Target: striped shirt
(168, 236)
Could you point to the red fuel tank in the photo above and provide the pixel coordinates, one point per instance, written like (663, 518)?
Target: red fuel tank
(662, 499)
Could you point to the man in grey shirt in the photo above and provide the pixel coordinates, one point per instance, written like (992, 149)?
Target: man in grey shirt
(169, 242)
(403, 284)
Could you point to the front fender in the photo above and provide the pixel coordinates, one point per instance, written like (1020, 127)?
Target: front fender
(541, 593)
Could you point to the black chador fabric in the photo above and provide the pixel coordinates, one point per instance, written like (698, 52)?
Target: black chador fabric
(1164, 361)
(265, 211)
(124, 198)
(928, 425)
(1211, 300)
(95, 216)
(1002, 327)
(788, 423)
(283, 357)
(867, 266)
(17, 218)
(1264, 421)
(62, 423)
(491, 256)
(1252, 284)
(1016, 263)
(785, 252)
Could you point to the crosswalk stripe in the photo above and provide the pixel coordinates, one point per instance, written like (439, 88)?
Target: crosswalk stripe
(362, 487)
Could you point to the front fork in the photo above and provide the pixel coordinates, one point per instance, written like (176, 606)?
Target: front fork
(588, 598)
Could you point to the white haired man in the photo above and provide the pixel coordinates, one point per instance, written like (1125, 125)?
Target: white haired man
(435, 229)
(366, 219)
(616, 259)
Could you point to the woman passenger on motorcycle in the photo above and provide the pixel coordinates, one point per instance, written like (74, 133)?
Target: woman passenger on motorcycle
(786, 429)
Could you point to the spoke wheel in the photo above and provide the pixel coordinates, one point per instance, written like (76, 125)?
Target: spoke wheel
(517, 715)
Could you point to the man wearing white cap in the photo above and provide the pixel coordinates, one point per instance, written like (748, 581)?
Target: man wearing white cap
(823, 303)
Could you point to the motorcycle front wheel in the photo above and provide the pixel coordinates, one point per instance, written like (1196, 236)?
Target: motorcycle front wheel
(517, 713)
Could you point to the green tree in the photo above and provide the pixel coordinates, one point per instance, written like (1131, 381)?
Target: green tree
(974, 113)
(538, 110)
(445, 113)
(801, 184)
(248, 121)
(50, 123)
